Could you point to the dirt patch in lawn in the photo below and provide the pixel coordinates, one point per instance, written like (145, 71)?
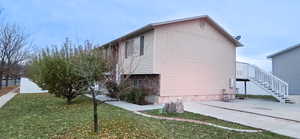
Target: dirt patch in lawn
(4, 91)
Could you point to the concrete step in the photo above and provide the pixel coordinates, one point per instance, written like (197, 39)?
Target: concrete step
(268, 88)
(289, 101)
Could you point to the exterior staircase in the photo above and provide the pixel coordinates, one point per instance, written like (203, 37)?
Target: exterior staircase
(265, 80)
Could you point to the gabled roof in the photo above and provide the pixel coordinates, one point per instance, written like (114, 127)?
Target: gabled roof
(151, 26)
(284, 50)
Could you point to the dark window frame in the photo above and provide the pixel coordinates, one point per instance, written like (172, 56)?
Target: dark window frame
(126, 49)
(142, 45)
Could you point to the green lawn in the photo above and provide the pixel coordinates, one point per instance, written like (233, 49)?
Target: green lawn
(264, 97)
(44, 116)
(194, 116)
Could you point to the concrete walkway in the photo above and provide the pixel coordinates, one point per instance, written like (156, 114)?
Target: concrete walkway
(197, 122)
(137, 108)
(128, 106)
(7, 97)
(279, 126)
(27, 86)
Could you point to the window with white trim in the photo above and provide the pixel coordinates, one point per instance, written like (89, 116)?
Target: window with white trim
(129, 49)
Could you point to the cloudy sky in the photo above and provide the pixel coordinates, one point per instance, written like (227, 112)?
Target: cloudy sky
(266, 26)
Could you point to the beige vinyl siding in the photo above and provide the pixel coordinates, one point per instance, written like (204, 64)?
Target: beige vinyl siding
(193, 59)
(136, 63)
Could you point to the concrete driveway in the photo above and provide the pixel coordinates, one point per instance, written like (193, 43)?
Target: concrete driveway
(273, 116)
(261, 107)
(295, 98)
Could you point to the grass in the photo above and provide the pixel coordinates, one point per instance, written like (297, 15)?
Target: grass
(264, 97)
(194, 116)
(44, 116)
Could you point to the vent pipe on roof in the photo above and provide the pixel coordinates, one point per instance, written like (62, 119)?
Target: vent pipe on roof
(238, 37)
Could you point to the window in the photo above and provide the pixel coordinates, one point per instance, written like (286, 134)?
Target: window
(137, 83)
(126, 50)
(106, 52)
(142, 39)
(129, 48)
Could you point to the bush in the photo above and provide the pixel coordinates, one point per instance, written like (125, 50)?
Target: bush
(113, 89)
(135, 95)
(57, 75)
(66, 72)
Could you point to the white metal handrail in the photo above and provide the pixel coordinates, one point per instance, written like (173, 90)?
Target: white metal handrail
(267, 79)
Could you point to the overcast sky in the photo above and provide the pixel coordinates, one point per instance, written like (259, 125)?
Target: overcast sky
(266, 26)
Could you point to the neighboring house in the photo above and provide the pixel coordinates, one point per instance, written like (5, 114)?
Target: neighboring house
(190, 59)
(286, 65)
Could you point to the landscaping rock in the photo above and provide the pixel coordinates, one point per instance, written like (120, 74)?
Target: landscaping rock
(174, 107)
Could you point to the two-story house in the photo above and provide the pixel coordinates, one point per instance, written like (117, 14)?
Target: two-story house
(190, 59)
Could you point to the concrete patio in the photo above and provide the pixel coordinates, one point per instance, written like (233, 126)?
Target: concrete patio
(273, 116)
(261, 107)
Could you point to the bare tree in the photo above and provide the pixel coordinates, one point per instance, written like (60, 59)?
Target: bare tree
(91, 66)
(121, 68)
(12, 49)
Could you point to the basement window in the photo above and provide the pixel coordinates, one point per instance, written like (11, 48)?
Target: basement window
(137, 83)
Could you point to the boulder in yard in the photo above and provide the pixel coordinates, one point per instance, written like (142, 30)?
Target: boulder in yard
(174, 107)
